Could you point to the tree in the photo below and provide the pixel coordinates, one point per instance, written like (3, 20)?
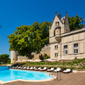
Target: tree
(44, 27)
(28, 39)
(4, 58)
(75, 22)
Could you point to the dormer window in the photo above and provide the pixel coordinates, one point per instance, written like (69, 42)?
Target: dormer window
(57, 23)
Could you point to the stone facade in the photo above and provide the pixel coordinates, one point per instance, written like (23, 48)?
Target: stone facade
(65, 43)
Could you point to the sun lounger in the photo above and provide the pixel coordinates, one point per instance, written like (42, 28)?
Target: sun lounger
(28, 68)
(13, 67)
(31, 68)
(44, 69)
(57, 70)
(50, 69)
(24, 67)
(16, 67)
(34, 68)
(38, 68)
(19, 67)
(67, 71)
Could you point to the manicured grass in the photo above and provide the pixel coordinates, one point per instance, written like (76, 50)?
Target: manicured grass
(74, 64)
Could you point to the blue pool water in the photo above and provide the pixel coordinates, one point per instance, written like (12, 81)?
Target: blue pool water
(12, 74)
(3, 68)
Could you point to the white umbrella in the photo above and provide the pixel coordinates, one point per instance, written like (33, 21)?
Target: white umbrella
(37, 60)
(64, 59)
(24, 60)
(49, 60)
(30, 60)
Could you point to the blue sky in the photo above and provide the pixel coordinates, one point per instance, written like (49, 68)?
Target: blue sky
(14, 13)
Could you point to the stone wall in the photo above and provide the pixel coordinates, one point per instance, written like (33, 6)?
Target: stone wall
(70, 41)
(22, 58)
(44, 50)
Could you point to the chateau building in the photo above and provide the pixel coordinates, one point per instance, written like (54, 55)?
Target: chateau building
(63, 42)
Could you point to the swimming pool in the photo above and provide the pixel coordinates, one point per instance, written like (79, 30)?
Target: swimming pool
(14, 74)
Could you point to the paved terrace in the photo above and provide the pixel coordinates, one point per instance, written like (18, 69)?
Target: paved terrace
(66, 79)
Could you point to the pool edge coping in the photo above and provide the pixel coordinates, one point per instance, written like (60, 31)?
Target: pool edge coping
(1, 82)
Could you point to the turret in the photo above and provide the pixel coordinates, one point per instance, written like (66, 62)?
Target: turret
(57, 33)
(13, 56)
(57, 30)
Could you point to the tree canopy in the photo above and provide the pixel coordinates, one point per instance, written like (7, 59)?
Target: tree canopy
(75, 22)
(28, 39)
(4, 58)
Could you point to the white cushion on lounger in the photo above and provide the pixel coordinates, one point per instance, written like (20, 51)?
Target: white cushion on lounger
(24, 67)
(31, 68)
(50, 69)
(19, 67)
(43, 69)
(34, 68)
(39, 68)
(58, 69)
(16, 67)
(67, 70)
(28, 67)
(13, 67)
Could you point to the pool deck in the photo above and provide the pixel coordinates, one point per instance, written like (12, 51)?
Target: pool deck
(66, 79)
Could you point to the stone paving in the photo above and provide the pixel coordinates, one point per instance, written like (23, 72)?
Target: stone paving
(66, 79)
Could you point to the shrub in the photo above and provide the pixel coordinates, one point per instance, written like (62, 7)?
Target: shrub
(41, 57)
(74, 64)
(75, 58)
(46, 57)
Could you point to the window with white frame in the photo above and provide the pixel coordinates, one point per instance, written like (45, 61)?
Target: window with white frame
(76, 48)
(56, 54)
(56, 47)
(65, 49)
